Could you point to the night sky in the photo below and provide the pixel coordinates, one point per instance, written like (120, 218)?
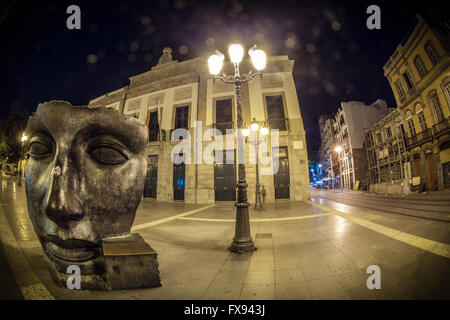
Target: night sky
(336, 57)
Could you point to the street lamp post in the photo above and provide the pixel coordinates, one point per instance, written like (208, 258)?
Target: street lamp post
(19, 179)
(264, 132)
(338, 149)
(242, 241)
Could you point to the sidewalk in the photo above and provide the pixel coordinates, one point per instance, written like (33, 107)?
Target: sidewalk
(304, 252)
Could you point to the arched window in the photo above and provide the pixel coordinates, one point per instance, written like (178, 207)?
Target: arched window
(432, 52)
(409, 120)
(436, 106)
(420, 66)
(420, 116)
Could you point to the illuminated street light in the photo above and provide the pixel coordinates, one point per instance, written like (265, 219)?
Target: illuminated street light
(259, 58)
(236, 52)
(215, 63)
(242, 241)
(19, 179)
(257, 141)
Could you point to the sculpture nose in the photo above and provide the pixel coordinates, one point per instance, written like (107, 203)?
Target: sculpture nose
(61, 203)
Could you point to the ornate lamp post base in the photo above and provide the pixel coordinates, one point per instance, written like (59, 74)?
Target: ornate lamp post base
(258, 203)
(242, 241)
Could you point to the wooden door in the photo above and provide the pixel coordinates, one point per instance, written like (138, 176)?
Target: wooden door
(430, 167)
(225, 178)
(281, 178)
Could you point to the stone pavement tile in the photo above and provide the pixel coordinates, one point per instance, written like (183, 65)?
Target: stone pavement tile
(430, 290)
(333, 295)
(230, 276)
(286, 276)
(362, 293)
(318, 272)
(294, 290)
(258, 292)
(193, 290)
(396, 285)
(222, 291)
(239, 257)
(211, 261)
(260, 277)
(207, 274)
(236, 265)
(341, 267)
(353, 278)
(262, 264)
(286, 264)
(365, 260)
(322, 288)
(311, 262)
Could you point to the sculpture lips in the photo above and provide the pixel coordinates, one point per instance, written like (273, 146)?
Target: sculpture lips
(70, 249)
(70, 243)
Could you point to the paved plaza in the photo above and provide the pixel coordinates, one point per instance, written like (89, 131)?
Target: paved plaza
(318, 249)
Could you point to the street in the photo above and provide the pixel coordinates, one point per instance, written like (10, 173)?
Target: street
(317, 249)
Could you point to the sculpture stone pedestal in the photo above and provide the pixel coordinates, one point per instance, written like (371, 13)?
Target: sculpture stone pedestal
(126, 262)
(130, 263)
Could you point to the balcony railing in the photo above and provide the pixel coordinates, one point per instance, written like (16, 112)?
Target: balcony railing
(280, 124)
(223, 126)
(419, 138)
(441, 127)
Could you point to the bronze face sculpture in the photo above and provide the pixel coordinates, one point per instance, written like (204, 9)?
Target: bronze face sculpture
(84, 181)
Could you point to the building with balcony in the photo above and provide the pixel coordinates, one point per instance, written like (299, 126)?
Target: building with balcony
(419, 74)
(345, 130)
(388, 166)
(183, 94)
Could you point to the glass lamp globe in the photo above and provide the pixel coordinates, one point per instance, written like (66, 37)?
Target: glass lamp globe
(236, 52)
(264, 131)
(215, 63)
(245, 132)
(258, 57)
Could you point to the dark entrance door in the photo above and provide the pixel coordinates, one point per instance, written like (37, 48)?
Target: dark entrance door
(281, 178)
(430, 172)
(179, 181)
(151, 181)
(225, 176)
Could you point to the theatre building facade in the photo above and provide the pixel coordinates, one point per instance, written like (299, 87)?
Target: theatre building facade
(183, 95)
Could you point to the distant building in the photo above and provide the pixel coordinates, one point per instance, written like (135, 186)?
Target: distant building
(346, 131)
(324, 151)
(419, 74)
(388, 170)
(176, 94)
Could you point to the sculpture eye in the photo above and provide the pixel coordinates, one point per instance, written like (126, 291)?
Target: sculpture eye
(39, 150)
(108, 154)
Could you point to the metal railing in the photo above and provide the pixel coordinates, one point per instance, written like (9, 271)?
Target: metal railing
(280, 124)
(441, 127)
(419, 138)
(223, 126)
